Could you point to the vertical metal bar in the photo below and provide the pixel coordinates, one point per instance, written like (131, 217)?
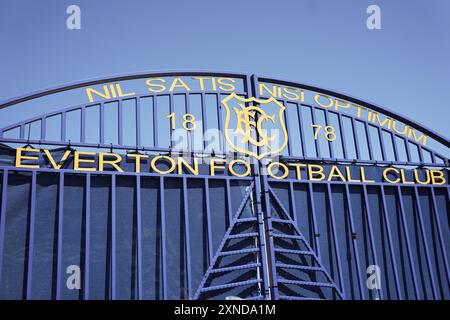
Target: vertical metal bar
(355, 137)
(204, 118)
(408, 246)
(3, 218)
(229, 210)
(83, 125)
(354, 242)
(43, 124)
(433, 158)
(300, 125)
(263, 243)
(341, 130)
(208, 222)
(120, 122)
(289, 145)
(113, 237)
(292, 200)
(163, 237)
(155, 122)
(314, 221)
(440, 234)
(391, 248)
(171, 108)
(408, 153)
(187, 240)
(22, 131)
(189, 133)
(219, 120)
(330, 143)
(394, 146)
(335, 241)
(269, 237)
(88, 237)
(316, 142)
(63, 126)
(102, 123)
(60, 235)
(427, 254)
(29, 280)
(369, 225)
(383, 149)
(265, 249)
(138, 121)
(369, 141)
(448, 194)
(419, 147)
(139, 236)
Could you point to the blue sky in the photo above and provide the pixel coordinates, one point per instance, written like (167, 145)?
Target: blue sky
(405, 66)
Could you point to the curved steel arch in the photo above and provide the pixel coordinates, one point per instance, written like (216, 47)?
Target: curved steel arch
(131, 76)
(372, 105)
(123, 77)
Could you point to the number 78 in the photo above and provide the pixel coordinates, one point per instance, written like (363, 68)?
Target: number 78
(329, 133)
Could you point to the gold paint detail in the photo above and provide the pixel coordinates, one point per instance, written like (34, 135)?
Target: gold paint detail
(247, 122)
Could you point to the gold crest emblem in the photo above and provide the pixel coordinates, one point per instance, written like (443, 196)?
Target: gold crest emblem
(251, 124)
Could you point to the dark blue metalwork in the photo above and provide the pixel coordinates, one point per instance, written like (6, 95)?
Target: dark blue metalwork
(260, 270)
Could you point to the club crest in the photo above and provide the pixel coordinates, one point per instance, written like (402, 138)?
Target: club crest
(255, 127)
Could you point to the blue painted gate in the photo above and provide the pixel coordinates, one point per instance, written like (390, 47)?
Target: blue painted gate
(148, 235)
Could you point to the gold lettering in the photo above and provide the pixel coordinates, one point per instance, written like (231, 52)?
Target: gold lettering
(416, 177)
(358, 110)
(104, 95)
(223, 85)
(335, 173)
(77, 160)
(271, 93)
(423, 137)
(113, 91)
(298, 167)
(363, 175)
(403, 176)
(121, 94)
(52, 161)
(405, 128)
(387, 120)
(437, 177)
(385, 175)
(213, 166)
(312, 172)
(20, 157)
(156, 169)
(182, 161)
(201, 81)
(137, 158)
(150, 83)
(113, 163)
(337, 104)
(330, 101)
(178, 83)
(291, 93)
(245, 163)
(280, 165)
(213, 84)
(349, 175)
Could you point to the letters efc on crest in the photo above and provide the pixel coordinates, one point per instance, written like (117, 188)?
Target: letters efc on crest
(253, 118)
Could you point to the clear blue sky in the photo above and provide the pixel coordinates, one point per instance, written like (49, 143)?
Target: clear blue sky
(405, 66)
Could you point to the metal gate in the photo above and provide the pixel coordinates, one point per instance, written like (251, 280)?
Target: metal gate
(171, 234)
